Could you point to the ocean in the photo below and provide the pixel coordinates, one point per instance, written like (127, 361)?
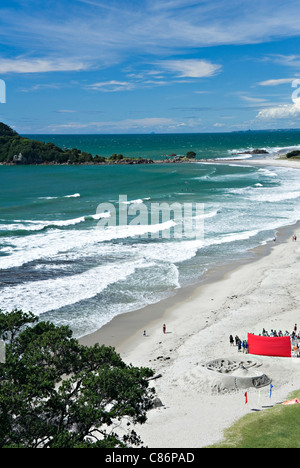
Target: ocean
(56, 261)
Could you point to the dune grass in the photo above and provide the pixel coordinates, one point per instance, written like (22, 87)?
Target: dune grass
(276, 427)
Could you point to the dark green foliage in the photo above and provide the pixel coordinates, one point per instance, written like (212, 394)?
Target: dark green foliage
(293, 154)
(37, 152)
(5, 130)
(191, 154)
(15, 149)
(18, 150)
(56, 393)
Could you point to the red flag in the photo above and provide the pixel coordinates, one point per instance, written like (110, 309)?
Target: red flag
(246, 398)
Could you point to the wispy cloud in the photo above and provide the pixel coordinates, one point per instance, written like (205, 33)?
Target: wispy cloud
(126, 125)
(39, 87)
(39, 65)
(276, 82)
(284, 60)
(103, 33)
(111, 86)
(166, 73)
(191, 68)
(253, 100)
(66, 111)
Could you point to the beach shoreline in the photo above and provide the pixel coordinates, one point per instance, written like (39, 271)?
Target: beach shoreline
(241, 297)
(124, 328)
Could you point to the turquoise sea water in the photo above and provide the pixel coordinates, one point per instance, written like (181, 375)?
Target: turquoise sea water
(56, 262)
(206, 145)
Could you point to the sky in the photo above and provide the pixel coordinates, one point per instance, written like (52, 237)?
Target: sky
(144, 66)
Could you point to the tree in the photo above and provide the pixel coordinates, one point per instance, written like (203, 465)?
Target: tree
(191, 154)
(56, 393)
(5, 130)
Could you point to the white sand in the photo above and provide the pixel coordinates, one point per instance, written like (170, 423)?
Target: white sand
(261, 294)
(268, 296)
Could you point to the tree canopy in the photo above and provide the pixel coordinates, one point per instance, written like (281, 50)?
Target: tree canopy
(5, 130)
(57, 393)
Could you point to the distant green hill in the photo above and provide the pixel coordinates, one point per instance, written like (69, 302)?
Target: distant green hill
(17, 150)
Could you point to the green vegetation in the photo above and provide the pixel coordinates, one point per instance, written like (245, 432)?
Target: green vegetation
(15, 149)
(293, 154)
(5, 130)
(56, 393)
(275, 427)
(191, 154)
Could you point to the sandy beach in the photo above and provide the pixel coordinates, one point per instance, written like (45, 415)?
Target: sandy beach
(235, 299)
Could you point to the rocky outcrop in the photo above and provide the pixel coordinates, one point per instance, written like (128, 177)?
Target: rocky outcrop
(255, 151)
(19, 159)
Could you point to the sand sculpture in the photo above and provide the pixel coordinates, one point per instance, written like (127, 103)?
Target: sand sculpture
(235, 375)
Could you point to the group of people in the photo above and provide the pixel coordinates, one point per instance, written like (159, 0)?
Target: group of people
(242, 345)
(280, 333)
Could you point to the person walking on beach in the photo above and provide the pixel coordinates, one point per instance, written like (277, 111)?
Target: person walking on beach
(231, 340)
(164, 328)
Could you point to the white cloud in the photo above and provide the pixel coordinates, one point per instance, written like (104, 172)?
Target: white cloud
(281, 112)
(107, 32)
(253, 100)
(191, 68)
(276, 82)
(39, 65)
(111, 86)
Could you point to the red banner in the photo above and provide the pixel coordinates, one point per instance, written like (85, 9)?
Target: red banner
(269, 346)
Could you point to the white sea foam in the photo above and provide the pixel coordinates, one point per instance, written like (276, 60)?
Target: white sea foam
(43, 296)
(26, 225)
(234, 158)
(52, 294)
(268, 173)
(56, 242)
(75, 195)
(271, 150)
(138, 201)
(273, 197)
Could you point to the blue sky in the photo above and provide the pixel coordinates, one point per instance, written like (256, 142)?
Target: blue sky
(165, 66)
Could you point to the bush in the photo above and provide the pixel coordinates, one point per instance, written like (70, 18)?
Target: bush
(293, 154)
